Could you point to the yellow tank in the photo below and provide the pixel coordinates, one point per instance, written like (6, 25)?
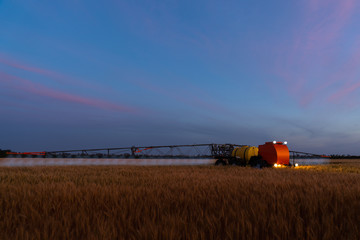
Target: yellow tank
(251, 152)
(245, 153)
(239, 152)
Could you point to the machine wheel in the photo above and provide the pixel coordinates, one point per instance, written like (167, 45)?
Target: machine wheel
(264, 163)
(220, 162)
(261, 163)
(239, 162)
(234, 161)
(243, 163)
(256, 161)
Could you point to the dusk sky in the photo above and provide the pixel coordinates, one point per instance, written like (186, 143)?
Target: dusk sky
(93, 74)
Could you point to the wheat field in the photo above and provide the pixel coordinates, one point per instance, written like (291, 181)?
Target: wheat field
(179, 202)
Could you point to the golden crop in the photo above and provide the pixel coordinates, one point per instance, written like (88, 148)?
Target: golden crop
(179, 202)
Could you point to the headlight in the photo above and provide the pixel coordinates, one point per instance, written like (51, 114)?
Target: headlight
(274, 142)
(275, 165)
(285, 142)
(296, 164)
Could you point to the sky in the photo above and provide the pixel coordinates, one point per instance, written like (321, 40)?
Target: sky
(92, 74)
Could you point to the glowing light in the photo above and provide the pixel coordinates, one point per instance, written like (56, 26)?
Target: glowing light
(274, 142)
(296, 164)
(285, 142)
(275, 165)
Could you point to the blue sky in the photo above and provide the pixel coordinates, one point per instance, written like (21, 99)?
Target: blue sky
(84, 74)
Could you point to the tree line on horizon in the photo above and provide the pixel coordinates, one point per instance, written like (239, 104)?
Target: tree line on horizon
(3, 152)
(343, 156)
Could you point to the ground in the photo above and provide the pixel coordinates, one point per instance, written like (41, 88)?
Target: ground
(180, 202)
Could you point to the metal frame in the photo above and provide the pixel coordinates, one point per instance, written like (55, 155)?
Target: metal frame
(303, 155)
(194, 151)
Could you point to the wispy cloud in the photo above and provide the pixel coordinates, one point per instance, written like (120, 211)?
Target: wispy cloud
(325, 22)
(52, 75)
(181, 96)
(37, 89)
(22, 66)
(345, 91)
(316, 64)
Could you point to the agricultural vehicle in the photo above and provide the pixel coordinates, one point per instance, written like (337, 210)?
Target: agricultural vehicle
(269, 154)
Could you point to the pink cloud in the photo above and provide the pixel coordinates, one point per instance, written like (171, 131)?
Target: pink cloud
(43, 91)
(52, 75)
(346, 73)
(344, 92)
(28, 68)
(327, 29)
(312, 67)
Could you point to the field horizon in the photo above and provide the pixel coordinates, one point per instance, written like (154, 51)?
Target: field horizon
(179, 202)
